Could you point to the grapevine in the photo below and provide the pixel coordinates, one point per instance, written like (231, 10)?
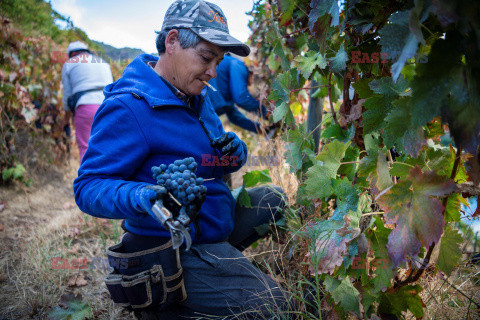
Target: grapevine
(390, 152)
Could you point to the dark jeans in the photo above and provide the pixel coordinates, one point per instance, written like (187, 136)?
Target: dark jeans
(219, 279)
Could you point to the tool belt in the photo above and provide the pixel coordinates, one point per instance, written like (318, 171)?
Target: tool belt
(150, 278)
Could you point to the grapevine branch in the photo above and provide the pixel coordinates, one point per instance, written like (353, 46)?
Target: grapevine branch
(307, 88)
(334, 115)
(288, 35)
(413, 278)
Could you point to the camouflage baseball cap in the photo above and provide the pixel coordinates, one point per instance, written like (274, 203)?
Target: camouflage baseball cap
(206, 20)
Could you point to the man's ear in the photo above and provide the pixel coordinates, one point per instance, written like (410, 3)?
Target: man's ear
(171, 41)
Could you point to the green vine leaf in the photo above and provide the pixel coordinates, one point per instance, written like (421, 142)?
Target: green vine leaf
(398, 121)
(406, 298)
(418, 217)
(320, 175)
(434, 81)
(398, 41)
(294, 148)
(252, 178)
(450, 252)
(241, 196)
(344, 293)
(362, 87)
(384, 272)
(384, 180)
(386, 87)
(338, 63)
(377, 108)
(454, 203)
(321, 8)
(309, 62)
(280, 112)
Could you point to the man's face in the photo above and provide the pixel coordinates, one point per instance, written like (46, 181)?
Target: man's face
(191, 66)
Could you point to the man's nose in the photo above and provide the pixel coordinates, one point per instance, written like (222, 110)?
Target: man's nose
(212, 70)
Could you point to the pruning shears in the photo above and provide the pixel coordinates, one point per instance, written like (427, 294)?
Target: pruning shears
(176, 224)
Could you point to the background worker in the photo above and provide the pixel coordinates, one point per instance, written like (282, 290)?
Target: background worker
(232, 89)
(84, 75)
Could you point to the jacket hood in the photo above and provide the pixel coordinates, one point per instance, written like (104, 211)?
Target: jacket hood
(139, 78)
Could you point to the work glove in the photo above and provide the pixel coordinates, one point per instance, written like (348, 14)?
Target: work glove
(270, 130)
(147, 196)
(229, 144)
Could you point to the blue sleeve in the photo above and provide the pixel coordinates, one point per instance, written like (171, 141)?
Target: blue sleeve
(116, 149)
(239, 119)
(239, 89)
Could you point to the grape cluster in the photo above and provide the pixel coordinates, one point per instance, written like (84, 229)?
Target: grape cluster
(180, 180)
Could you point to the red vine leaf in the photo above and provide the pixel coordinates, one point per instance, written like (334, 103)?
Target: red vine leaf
(418, 217)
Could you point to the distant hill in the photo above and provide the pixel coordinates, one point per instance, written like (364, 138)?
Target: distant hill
(117, 54)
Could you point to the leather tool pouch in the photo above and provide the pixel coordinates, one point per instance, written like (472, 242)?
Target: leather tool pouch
(145, 279)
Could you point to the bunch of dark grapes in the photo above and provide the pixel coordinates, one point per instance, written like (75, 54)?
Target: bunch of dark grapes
(180, 180)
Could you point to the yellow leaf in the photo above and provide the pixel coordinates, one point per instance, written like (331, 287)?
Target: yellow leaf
(296, 108)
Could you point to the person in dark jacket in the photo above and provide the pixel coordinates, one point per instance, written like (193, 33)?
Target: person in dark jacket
(157, 113)
(232, 90)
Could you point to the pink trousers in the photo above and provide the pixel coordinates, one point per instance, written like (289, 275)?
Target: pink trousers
(83, 123)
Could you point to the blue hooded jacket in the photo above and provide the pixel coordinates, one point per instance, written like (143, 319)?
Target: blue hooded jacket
(142, 124)
(232, 86)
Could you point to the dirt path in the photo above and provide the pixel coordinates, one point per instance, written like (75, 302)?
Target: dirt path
(39, 224)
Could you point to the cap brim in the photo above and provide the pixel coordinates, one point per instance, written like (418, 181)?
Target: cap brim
(223, 39)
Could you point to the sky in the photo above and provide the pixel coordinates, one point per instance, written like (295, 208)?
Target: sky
(122, 23)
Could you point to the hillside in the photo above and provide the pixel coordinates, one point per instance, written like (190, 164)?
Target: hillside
(117, 54)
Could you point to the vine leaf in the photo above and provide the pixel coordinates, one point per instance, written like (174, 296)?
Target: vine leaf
(436, 80)
(398, 42)
(241, 196)
(413, 141)
(278, 94)
(320, 175)
(384, 180)
(252, 178)
(384, 272)
(407, 298)
(280, 111)
(398, 121)
(419, 218)
(322, 7)
(362, 87)
(309, 62)
(452, 210)
(377, 107)
(450, 253)
(338, 63)
(344, 293)
(330, 245)
(293, 148)
(287, 80)
(386, 87)
(331, 237)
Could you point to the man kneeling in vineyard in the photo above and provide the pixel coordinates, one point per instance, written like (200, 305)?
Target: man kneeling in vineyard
(156, 119)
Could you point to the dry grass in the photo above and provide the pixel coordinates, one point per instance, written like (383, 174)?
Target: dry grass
(452, 297)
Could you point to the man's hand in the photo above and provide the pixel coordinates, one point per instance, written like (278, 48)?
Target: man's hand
(147, 196)
(230, 144)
